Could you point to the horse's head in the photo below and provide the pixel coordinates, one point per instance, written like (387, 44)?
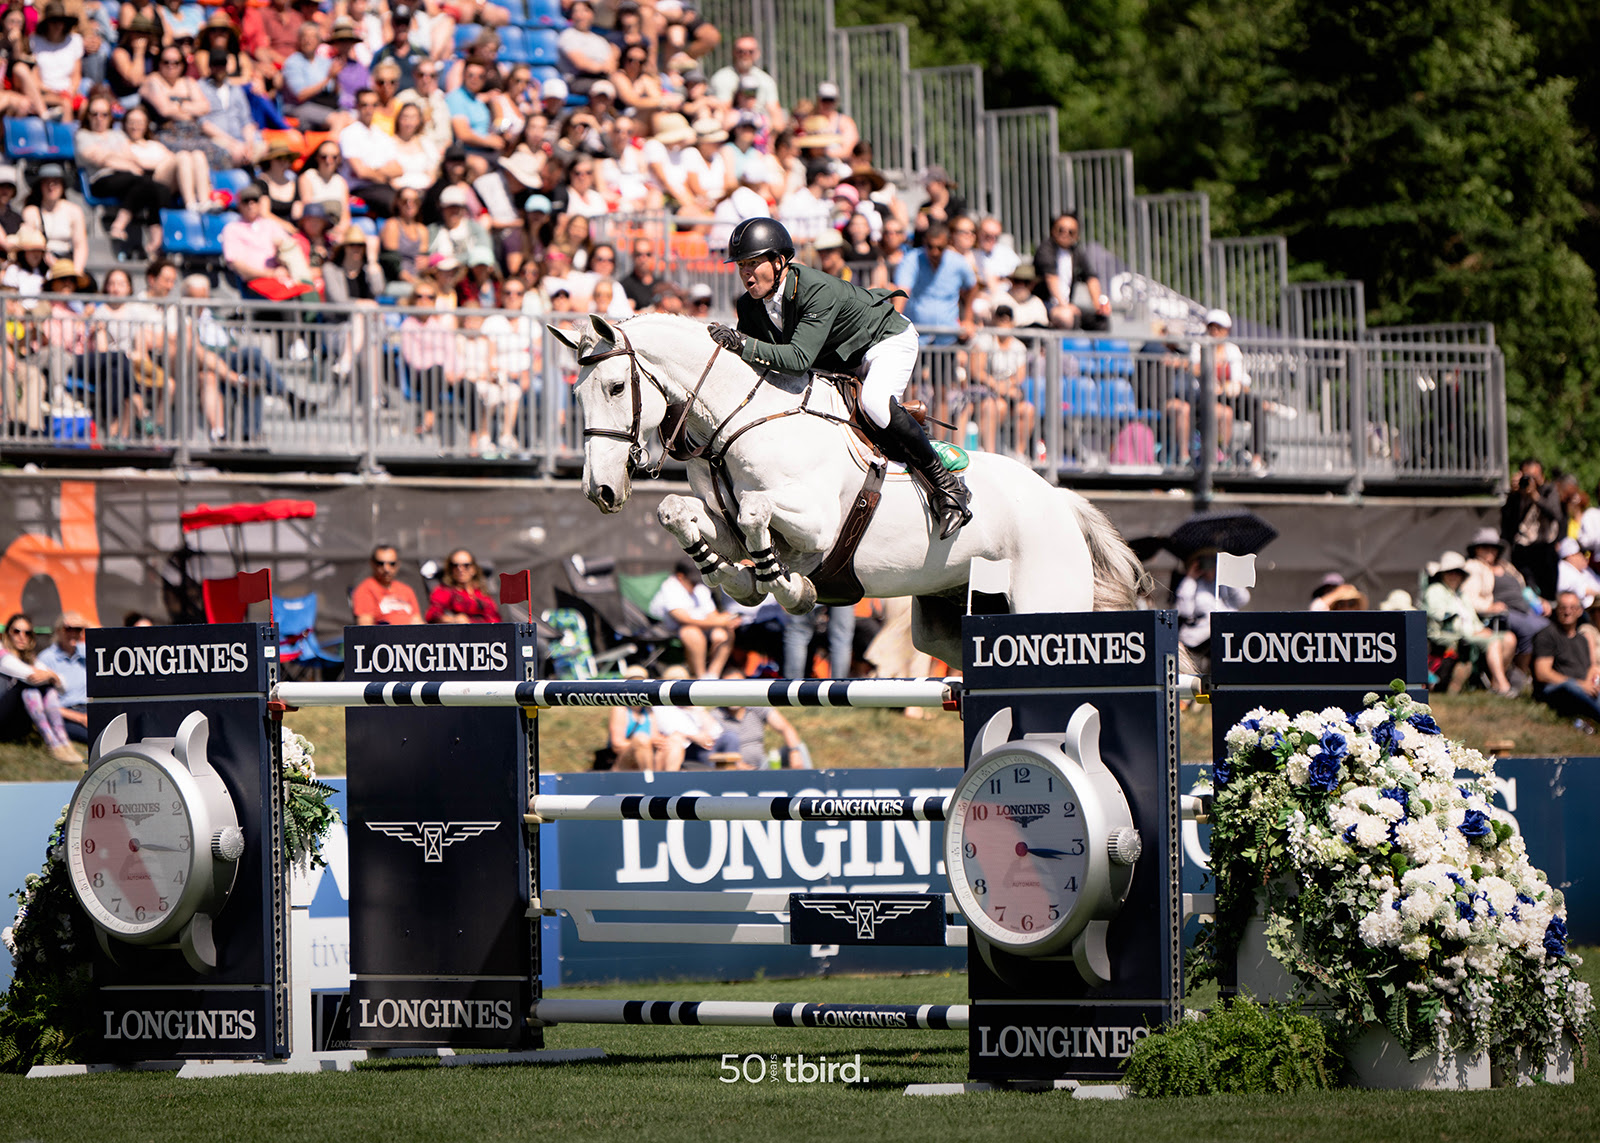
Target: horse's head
(619, 411)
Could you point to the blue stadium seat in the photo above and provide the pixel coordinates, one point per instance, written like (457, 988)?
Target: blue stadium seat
(88, 196)
(192, 235)
(542, 73)
(518, 11)
(540, 46)
(29, 138)
(465, 34)
(1117, 398)
(513, 47)
(233, 181)
(1080, 396)
(546, 12)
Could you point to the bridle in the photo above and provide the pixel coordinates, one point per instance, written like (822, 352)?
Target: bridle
(677, 414)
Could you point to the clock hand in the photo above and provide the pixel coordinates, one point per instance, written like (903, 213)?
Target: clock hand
(153, 846)
(1023, 848)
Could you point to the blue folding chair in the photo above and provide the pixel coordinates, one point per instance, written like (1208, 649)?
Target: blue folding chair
(89, 197)
(300, 652)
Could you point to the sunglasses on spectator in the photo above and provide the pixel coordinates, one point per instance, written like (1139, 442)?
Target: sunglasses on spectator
(169, 61)
(20, 631)
(386, 563)
(701, 303)
(603, 258)
(962, 230)
(69, 630)
(459, 564)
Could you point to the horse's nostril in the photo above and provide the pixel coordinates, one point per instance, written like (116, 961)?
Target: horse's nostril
(607, 496)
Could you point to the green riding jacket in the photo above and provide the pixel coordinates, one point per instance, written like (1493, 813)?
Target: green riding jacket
(827, 323)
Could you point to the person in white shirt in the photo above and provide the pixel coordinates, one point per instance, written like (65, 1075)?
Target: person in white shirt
(670, 156)
(1574, 574)
(684, 603)
(58, 52)
(994, 256)
(725, 81)
(371, 163)
(807, 212)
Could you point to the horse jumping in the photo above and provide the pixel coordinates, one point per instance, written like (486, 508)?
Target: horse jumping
(776, 471)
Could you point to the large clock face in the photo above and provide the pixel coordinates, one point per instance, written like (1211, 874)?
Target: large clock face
(1021, 848)
(130, 845)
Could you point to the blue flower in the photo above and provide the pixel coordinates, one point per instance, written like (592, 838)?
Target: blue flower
(1386, 735)
(1251, 724)
(1424, 723)
(1516, 912)
(1461, 882)
(1395, 904)
(1464, 911)
(1324, 773)
(1334, 745)
(1555, 937)
(1350, 836)
(1399, 795)
(1222, 772)
(1475, 826)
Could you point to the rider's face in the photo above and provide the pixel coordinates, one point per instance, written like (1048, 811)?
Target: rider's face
(759, 275)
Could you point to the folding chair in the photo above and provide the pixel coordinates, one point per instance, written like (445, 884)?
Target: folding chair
(301, 654)
(619, 627)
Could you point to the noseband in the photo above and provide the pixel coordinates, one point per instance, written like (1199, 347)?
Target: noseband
(677, 414)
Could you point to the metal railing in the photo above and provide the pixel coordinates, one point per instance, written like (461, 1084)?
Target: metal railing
(1023, 174)
(948, 120)
(1099, 186)
(200, 382)
(875, 90)
(1249, 279)
(1332, 311)
(1174, 233)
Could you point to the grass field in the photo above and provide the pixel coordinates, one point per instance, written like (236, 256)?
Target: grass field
(662, 1083)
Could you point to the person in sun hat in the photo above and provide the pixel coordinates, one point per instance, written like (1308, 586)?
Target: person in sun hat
(1495, 588)
(1453, 625)
(26, 271)
(58, 56)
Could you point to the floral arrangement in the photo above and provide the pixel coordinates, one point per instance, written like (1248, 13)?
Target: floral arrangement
(1390, 889)
(307, 816)
(51, 944)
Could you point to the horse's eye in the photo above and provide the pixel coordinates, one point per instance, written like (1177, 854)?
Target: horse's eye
(615, 390)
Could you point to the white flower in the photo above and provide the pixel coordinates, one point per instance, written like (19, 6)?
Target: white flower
(1371, 831)
(1371, 718)
(1299, 769)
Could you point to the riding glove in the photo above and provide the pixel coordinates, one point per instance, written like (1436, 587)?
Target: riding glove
(730, 339)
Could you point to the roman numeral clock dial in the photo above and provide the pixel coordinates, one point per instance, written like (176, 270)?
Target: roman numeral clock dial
(153, 840)
(1040, 844)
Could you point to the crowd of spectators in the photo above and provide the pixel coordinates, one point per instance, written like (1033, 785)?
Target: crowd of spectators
(430, 165)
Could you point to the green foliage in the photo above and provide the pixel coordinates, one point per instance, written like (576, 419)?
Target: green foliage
(1438, 150)
(1241, 1049)
(48, 1007)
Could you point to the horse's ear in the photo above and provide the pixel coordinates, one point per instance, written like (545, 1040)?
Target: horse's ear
(564, 337)
(603, 330)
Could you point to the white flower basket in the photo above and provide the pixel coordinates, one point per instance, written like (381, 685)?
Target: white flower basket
(302, 885)
(1379, 1061)
(1558, 1066)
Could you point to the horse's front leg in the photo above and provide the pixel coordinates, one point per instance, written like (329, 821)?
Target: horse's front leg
(707, 540)
(794, 592)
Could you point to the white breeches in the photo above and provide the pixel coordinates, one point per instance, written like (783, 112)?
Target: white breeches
(889, 366)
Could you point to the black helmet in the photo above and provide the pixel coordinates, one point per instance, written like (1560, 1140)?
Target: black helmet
(757, 236)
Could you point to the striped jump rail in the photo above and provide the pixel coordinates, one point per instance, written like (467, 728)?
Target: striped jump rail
(642, 692)
(726, 1013)
(859, 693)
(698, 808)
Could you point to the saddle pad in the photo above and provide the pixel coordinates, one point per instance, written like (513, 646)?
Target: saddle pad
(953, 457)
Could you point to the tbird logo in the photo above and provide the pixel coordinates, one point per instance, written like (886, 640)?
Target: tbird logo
(866, 916)
(433, 837)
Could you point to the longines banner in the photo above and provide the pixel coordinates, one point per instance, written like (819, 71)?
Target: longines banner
(1550, 801)
(106, 544)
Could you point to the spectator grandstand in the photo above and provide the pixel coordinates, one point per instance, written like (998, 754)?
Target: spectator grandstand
(362, 182)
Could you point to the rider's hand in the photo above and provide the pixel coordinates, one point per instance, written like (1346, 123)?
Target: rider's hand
(730, 339)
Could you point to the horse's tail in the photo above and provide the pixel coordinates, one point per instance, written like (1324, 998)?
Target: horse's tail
(1119, 577)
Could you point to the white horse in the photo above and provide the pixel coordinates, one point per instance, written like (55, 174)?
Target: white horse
(788, 482)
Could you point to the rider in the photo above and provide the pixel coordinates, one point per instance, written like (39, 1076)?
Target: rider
(794, 318)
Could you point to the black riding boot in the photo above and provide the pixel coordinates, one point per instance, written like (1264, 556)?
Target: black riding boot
(948, 490)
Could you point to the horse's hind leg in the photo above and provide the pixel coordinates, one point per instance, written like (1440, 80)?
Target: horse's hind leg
(710, 543)
(794, 592)
(936, 628)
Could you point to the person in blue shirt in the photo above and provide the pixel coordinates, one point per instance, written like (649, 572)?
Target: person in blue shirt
(939, 286)
(65, 656)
